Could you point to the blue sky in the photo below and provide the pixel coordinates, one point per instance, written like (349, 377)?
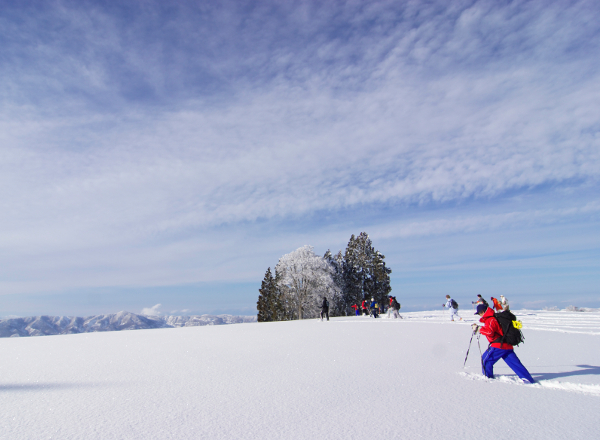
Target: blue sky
(169, 152)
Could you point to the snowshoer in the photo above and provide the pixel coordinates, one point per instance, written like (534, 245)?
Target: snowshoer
(325, 309)
(374, 308)
(497, 350)
(356, 309)
(497, 305)
(453, 307)
(395, 308)
(480, 300)
(364, 307)
(504, 303)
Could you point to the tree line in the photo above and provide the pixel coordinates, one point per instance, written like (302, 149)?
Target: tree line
(301, 279)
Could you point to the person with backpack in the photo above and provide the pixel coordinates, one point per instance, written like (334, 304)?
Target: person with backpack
(453, 307)
(395, 307)
(374, 308)
(480, 300)
(364, 307)
(500, 338)
(497, 305)
(325, 309)
(504, 303)
(391, 306)
(356, 309)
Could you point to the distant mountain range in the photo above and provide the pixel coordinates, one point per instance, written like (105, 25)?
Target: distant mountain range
(62, 325)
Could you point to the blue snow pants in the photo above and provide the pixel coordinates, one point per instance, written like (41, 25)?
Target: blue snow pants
(493, 355)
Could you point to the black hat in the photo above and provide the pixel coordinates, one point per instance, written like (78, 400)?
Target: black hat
(481, 308)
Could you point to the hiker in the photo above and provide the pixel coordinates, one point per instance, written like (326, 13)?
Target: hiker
(374, 308)
(504, 303)
(364, 307)
(325, 309)
(480, 300)
(395, 307)
(498, 349)
(356, 309)
(453, 307)
(497, 305)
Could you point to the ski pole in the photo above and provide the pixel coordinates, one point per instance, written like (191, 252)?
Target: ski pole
(465, 363)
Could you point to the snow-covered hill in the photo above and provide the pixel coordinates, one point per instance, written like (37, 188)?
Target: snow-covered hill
(349, 378)
(61, 325)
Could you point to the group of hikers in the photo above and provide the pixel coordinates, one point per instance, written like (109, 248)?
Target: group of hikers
(371, 309)
(498, 305)
(499, 326)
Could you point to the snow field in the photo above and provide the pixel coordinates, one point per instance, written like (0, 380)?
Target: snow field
(349, 378)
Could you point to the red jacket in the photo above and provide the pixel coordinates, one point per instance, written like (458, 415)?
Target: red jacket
(492, 330)
(497, 304)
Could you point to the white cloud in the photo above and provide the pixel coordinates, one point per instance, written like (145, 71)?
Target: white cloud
(151, 311)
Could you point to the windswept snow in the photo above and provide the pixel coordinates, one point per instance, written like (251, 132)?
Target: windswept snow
(349, 378)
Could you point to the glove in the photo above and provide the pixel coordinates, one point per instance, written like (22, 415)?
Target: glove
(475, 327)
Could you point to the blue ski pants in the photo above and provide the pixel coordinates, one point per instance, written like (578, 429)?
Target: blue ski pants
(493, 355)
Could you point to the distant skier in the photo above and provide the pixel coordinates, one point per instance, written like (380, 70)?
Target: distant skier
(364, 307)
(325, 309)
(497, 350)
(497, 305)
(453, 307)
(356, 309)
(504, 303)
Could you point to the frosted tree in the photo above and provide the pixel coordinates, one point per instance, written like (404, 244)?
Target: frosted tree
(305, 278)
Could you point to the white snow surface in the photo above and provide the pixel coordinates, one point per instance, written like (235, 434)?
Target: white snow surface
(349, 378)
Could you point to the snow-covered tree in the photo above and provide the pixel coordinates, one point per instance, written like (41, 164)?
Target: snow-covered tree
(305, 279)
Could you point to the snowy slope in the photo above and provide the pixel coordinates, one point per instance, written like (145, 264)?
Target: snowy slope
(62, 325)
(349, 378)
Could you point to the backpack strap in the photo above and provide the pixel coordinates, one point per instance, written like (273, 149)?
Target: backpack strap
(503, 337)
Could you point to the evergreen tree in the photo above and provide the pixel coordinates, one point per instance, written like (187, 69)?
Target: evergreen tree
(337, 305)
(365, 273)
(264, 304)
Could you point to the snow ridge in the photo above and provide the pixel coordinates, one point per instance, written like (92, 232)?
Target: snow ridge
(62, 325)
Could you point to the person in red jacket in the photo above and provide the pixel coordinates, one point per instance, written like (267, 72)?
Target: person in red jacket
(355, 307)
(498, 350)
(497, 305)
